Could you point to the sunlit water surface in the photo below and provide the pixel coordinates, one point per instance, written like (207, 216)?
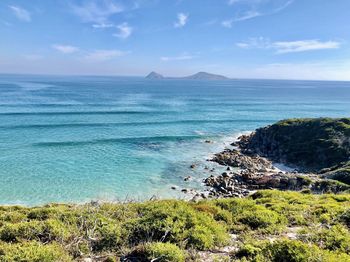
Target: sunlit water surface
(76, 139)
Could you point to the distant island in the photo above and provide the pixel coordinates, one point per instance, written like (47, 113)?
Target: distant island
(197, 76)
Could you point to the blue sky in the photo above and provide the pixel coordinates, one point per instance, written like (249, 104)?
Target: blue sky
(288, 39)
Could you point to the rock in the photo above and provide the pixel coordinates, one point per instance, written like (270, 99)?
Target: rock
(225, 175)
(228, 168)
(174, 187)
(193, 166)
(230, 188)
(187, 178)
(204, 195)
(184, 190)
(208, 141)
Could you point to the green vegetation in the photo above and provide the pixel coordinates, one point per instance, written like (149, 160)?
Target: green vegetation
(269, 226)
(319, 145)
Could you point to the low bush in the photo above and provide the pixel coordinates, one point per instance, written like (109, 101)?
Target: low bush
(246, 213)
(177, 229)
(164, 252)
(288, 250)
(33, 252)
(335, 238)
(176, 222)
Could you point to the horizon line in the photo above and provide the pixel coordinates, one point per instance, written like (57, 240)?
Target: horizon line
(170, 78)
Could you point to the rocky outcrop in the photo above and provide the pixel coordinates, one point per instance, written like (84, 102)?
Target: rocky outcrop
(318, 149)
(256, 173)
(309, 144)
(235, 158)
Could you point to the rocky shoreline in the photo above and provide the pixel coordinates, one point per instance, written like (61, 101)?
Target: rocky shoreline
(246, 172)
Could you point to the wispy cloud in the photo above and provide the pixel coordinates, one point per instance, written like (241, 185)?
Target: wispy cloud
(256, 8)
(227, 23)
(65, 49)
(245, 16)
(256, 42)
(177, 58)
(96, 11)
(182, 19)
(103, 25)
(104, 55)
(124, 31)
(248, 15)
(305, 45)
(21, 13)
(284, 47)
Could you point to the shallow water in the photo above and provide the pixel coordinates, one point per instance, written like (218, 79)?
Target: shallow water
(74, 139)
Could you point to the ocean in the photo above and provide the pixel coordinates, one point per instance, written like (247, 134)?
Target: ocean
(77, 139)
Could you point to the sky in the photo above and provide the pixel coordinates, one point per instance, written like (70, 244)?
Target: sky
(278, 39)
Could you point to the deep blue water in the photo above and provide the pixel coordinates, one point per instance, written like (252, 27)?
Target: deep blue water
(74, 139)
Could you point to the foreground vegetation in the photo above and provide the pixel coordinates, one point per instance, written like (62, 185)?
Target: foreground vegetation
(268, 226)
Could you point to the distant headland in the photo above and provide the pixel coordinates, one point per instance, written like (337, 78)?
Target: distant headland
(197, 76)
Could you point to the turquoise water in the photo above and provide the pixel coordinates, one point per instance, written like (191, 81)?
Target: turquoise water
(75, 139)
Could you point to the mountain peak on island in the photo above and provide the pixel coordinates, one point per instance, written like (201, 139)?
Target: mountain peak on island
(206, 76)
(197, 76)
(154, 75)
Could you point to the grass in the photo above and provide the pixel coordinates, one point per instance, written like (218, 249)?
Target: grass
(172, 230)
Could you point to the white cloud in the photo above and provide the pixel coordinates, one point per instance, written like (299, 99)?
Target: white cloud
(66, 49)
(248, 15)
(104, 55)
(227, 23)
(103, 25)
(124, 31)
(177, 58)
(284, 47)
(256, 8)
(97, 11)
(181, 20)
(305, 45)
(256, 42)
(21, 13)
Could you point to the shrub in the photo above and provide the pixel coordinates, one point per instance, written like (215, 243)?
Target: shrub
(164, 252)
(296, 251)
(345, 218)
(216, 212)
(12, 216)
(248, 251)
(176, 222)
(247, 212)
(33, 252)
(108, 236)
(261, 218)
(336, 238)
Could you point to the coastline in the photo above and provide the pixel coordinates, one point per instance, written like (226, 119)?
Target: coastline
(251, 211)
